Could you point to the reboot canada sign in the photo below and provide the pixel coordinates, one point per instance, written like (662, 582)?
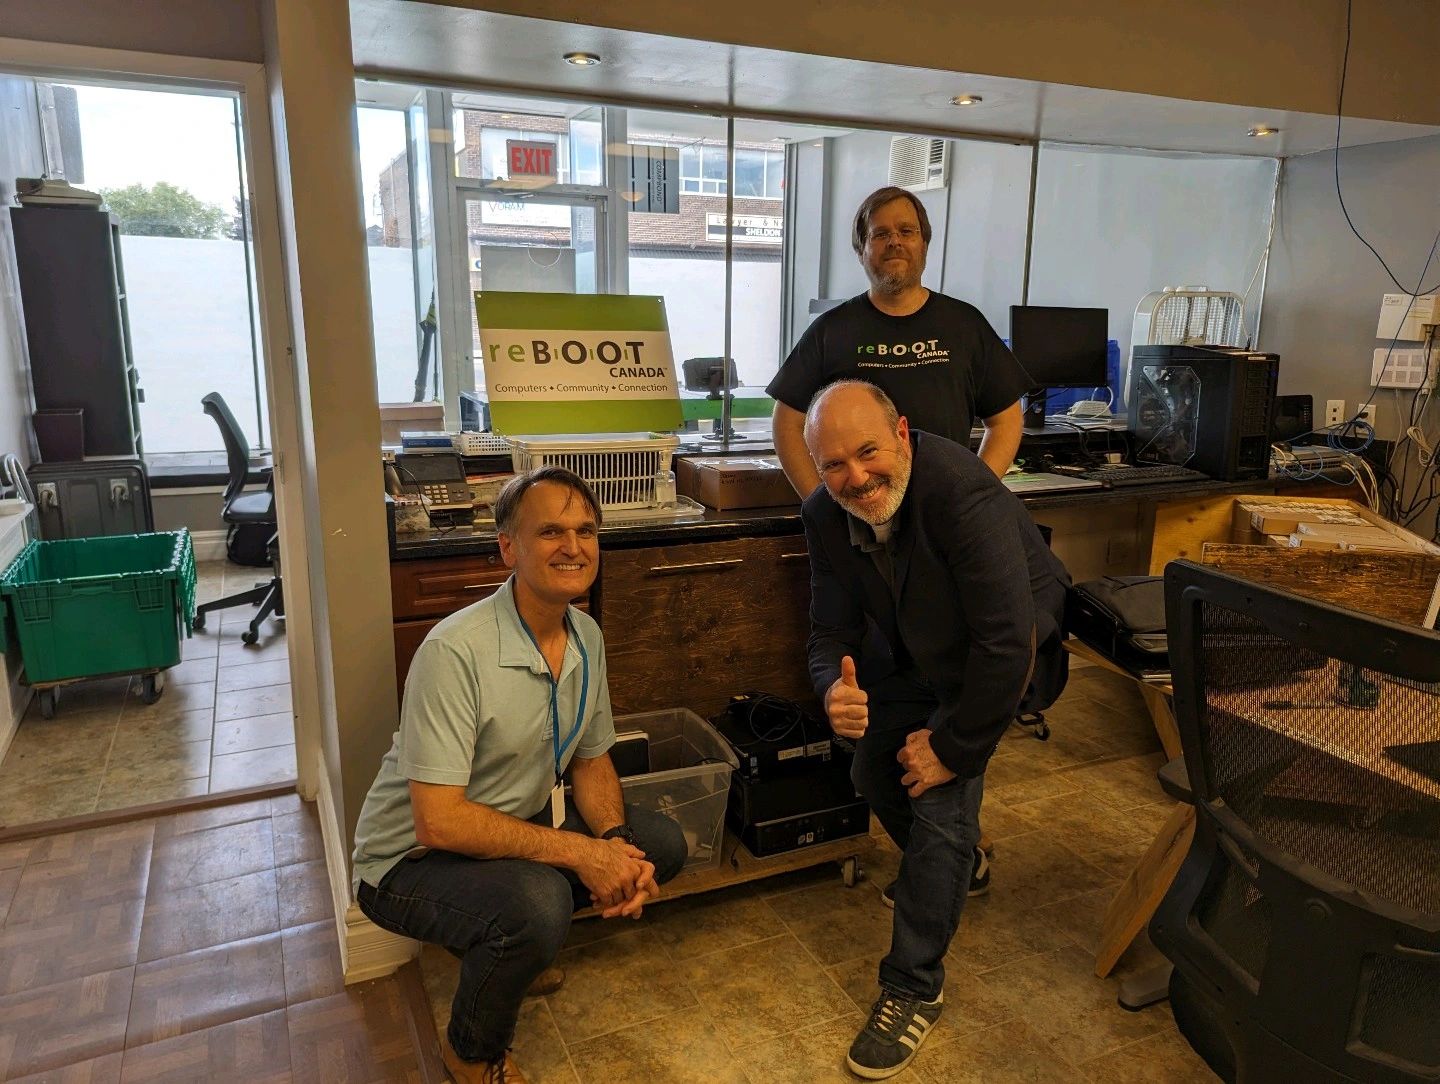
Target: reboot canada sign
(577, 363)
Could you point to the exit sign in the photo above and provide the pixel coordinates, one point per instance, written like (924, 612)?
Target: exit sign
(530, 159)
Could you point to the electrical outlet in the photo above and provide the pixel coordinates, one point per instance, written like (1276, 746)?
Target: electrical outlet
(1366, 414)
(1334, 411)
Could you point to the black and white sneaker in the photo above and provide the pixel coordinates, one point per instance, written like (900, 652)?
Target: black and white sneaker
(892, 1036)
(979, 881)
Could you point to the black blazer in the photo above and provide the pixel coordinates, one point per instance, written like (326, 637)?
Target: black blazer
(974, 581)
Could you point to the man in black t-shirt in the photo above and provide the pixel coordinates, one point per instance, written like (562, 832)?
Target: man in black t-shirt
(935, 356)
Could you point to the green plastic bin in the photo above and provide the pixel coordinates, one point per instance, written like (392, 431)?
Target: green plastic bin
(87, 607)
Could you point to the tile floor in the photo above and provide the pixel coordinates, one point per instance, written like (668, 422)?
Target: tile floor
(223, 723)
(195, 947)
(769, 982)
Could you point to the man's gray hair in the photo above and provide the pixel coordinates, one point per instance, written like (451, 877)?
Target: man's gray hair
(892, 414)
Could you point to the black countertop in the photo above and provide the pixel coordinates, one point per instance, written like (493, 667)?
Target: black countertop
(758, 522)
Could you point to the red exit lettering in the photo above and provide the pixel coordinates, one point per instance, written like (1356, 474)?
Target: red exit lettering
(531, 159)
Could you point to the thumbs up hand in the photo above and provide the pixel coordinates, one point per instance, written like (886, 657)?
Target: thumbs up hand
(846, 703)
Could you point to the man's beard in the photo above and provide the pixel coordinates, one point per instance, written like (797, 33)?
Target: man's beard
(895, 282)
(896, 483)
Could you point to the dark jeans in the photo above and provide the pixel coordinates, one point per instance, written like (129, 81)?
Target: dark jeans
(937, 834)
(506, 920)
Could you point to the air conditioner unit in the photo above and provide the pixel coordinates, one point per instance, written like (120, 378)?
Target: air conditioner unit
(919, 163)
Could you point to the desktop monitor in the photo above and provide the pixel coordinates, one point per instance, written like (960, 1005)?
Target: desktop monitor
(1060, 347)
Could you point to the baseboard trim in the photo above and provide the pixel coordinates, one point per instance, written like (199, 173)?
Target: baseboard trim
(366, 951)
(209, 545)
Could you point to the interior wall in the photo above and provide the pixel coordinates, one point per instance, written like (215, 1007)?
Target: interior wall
(318, 185)
(214, 29)
(1322, 295)
(1111, 226)
(20, 156)
(1283, 54)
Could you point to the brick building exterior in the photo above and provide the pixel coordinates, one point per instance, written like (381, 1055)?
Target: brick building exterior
(696, 231)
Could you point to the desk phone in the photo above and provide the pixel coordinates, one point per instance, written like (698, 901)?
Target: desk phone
(437, 477)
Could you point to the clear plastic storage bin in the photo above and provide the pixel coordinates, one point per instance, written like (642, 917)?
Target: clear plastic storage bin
(689, 778)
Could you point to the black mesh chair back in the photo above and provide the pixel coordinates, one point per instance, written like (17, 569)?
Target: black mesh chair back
(237, 448)
(1306, 918)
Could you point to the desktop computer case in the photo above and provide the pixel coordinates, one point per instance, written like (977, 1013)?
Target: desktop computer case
(1208, 408)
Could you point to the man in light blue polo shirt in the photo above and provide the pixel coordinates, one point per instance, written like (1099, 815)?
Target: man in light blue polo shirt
(466, 839)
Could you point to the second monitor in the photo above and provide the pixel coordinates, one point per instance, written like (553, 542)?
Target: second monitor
(1059, 347)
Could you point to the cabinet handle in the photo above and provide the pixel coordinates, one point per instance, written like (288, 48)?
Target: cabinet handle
(795, 557)
(698, 566)
(478, 586)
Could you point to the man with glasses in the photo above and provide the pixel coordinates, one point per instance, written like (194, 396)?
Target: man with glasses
(467, 838)
(935, 356)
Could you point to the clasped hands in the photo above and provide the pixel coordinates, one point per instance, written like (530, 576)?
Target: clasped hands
(619, 878)
(847, 706)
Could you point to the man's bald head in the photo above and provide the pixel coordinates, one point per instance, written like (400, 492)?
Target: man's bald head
(842, 399)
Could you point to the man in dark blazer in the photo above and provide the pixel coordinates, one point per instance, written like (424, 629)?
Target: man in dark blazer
(919, 551)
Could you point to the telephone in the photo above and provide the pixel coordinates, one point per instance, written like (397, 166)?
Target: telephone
(437, 478)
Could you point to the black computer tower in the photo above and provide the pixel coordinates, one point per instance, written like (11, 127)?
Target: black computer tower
(1208, 408)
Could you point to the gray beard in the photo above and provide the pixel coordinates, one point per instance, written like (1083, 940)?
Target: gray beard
(890, 284)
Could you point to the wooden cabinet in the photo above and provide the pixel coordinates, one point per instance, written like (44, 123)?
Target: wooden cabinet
(441, 585)
(431, 589)
(691, 625)
(422, 592)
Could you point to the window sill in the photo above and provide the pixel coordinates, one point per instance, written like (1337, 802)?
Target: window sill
(190, 470)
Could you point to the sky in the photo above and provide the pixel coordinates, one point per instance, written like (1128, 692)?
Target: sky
(146, 136)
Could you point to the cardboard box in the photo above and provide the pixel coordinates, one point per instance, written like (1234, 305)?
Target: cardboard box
(735, 481)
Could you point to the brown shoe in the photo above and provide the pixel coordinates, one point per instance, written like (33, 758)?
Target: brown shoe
(479, 1072)
(547, 982)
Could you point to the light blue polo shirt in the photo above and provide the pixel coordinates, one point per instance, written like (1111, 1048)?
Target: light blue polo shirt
(476, 713)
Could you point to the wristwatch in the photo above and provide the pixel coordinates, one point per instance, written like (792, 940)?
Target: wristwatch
(622, 831)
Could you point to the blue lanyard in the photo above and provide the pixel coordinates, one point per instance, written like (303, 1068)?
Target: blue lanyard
(555, 687)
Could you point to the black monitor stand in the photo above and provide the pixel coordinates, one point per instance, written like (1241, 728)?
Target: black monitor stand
(1034, 416)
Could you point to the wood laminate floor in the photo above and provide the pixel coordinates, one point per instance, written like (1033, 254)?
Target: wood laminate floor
(195, 947)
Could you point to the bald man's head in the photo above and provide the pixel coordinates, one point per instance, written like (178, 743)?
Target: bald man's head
(861, 447)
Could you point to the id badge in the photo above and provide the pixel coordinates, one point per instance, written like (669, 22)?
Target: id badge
(557, 805)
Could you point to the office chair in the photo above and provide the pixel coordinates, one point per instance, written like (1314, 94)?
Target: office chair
(240, 509)
(1304, 924)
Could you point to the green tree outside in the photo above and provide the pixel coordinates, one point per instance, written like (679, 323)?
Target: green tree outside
(164, 211)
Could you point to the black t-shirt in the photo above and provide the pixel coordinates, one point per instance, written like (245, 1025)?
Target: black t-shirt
(943, 365)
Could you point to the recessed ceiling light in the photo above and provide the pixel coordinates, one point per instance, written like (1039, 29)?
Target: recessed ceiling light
(582, 60)
(1262, 130)
(966, 99)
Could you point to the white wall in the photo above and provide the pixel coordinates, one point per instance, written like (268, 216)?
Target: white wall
(1111, 226)
(1322, 297)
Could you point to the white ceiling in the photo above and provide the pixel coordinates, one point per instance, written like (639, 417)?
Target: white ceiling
(432, 43)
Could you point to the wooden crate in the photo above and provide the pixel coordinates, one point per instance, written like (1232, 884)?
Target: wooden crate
(1401, 585)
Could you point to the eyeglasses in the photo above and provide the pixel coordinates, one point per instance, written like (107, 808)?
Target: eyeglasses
(884, 237)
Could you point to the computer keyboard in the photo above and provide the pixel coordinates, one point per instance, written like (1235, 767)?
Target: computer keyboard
(1148, 474)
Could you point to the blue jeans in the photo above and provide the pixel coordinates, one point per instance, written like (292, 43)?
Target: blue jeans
(506, 920)
(937, 834)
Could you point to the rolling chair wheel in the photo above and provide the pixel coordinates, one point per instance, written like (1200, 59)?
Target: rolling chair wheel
(249, 636)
